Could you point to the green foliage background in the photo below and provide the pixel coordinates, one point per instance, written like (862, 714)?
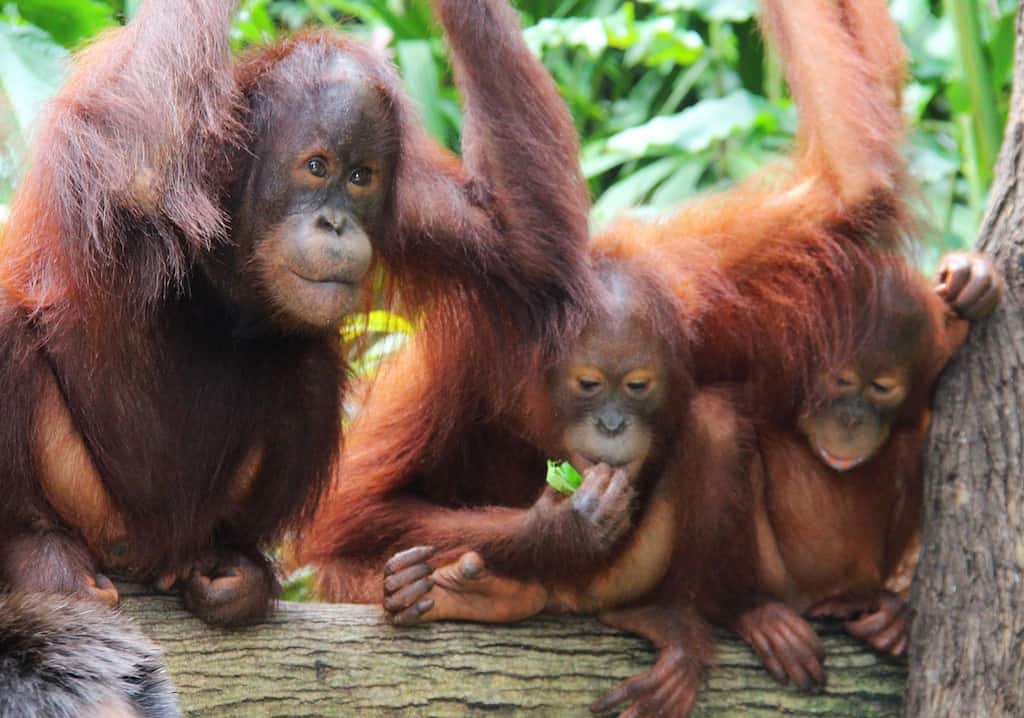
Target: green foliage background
(670, 96)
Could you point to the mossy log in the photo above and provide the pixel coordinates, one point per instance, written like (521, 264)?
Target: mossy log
(342, 660)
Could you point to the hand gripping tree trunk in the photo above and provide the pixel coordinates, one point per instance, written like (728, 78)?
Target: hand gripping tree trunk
(967, 648)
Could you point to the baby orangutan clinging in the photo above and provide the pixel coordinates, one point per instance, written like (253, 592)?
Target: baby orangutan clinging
(857, 404)
(838, 495)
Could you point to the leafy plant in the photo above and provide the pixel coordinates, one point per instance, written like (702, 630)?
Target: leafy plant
(671, 97)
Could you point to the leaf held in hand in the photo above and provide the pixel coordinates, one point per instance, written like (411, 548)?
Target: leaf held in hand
(563, 477)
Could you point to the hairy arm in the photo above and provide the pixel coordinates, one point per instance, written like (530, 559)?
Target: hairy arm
(510, 222)
(844, 63)
(421, 446)
(122, 185)
(794, 251)
(557, 537)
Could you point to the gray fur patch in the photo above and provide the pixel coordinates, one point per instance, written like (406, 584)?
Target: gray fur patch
(62, 657)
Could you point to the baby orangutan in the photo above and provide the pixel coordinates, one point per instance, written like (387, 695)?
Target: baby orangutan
(837, 498)
(628, 536)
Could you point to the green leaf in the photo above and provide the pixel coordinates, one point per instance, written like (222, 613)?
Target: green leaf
(929, 161)
(299, 586)
(421, 76)
(697, 127)
(68, 21)
(633, 188)
(916, 96)
(131, 7)
(253, 24)
(1001, 49)
(563, 477)
(596, 159)
(912, 15)
(682, 184)
(719, 10)
(32, 67)
(377, 321)
(368, 362)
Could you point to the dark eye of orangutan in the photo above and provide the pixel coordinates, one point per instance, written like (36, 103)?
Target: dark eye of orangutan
(882, 388)
(317, 166)
(361, 176)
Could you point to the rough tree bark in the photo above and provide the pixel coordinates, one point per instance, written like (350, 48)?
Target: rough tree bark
(314, 660)
(967, 649)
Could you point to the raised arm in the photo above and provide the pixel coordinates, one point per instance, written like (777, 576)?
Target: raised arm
(789, 256)
(141, 128)
(844, 64)
(510, 222)
(519, 141)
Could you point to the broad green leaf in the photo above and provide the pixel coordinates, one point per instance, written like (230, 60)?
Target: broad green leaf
(941, 42)
(253, 24)
(290, 14)
(929, 161)
(633, 189)
(916, 96)
(721, 10)
(590, 34)
(1001, 49)
(747, 157)
(131, 7)
(32, 67)
(695, 128)
(408, 20)
(597, 159)
(912, 15)
(420, 73)
(682, 184)
(68, 21)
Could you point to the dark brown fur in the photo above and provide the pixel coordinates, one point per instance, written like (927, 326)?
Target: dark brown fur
(192, 407)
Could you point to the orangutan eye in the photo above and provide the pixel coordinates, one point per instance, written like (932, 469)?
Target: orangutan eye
(317, 167)
(637, 386)
(881, 388)
(361, 176)
(842, 381)
(588, 385)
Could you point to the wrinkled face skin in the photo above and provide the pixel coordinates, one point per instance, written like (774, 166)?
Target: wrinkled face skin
(853, 417)
(315, 196)
(610, 396)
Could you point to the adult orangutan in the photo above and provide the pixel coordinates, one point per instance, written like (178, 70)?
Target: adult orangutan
(758, 286)
(189, 233)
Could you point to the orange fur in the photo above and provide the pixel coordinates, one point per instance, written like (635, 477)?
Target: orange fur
(760, 282)
(68, 476)
(759, 286)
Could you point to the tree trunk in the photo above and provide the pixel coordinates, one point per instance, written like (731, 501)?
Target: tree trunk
(967, 647)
